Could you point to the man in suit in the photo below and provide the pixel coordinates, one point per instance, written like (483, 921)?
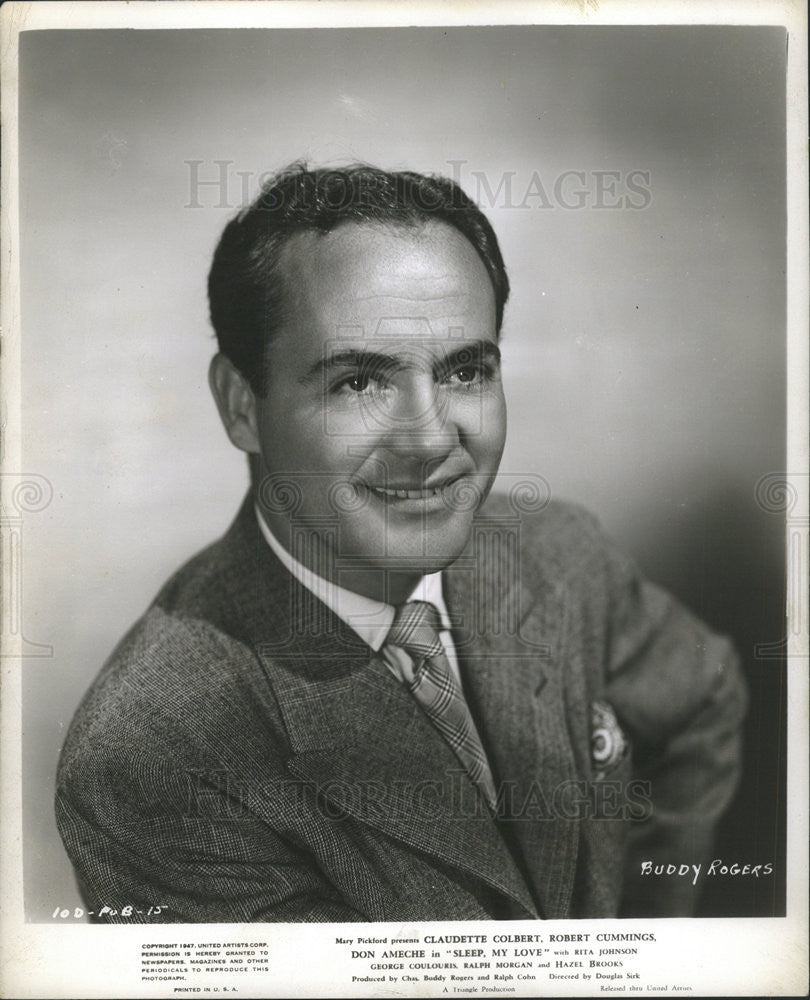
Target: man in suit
(383, 695)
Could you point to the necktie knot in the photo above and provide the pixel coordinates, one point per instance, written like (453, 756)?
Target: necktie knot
(416, 630)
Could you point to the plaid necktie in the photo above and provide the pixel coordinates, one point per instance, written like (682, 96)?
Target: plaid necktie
(434, 686)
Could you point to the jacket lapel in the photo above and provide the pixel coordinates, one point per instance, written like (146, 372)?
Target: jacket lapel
(362, 741)
(510, 645)
(356, 734)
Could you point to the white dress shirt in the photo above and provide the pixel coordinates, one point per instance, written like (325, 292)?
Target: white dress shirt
(370, 619)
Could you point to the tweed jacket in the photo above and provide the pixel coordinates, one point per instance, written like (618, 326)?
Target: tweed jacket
(244, 756)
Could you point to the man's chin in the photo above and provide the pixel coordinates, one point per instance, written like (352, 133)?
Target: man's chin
(415, 552)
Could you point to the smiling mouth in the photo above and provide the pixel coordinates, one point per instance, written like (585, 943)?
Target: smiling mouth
(392, 494)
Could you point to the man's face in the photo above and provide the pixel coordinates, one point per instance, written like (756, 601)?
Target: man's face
(385, 406)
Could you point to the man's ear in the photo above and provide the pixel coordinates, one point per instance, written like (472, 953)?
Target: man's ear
(235, 402)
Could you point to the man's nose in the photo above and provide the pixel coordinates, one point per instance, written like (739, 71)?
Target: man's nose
(419, 421)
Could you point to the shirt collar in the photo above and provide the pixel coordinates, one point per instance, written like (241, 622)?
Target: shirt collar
(370, 619)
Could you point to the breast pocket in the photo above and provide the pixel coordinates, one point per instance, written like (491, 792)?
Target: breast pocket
(610, 747)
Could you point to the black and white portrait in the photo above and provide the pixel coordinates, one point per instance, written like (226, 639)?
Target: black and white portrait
(398, 527)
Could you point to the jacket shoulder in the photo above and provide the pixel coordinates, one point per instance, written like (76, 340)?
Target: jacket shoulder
(558, 539)
(175, 686)
(214, 584)
(537, 514)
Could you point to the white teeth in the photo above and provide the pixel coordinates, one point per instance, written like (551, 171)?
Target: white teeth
(407, 494)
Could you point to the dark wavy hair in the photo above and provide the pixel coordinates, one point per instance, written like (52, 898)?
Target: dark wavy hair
(245, 284)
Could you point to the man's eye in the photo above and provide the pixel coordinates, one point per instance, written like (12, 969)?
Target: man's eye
(466, 375)
(358, 383)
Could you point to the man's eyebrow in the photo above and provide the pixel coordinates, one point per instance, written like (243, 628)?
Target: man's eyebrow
(359, 360)
(351, 358)
(474, 351)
